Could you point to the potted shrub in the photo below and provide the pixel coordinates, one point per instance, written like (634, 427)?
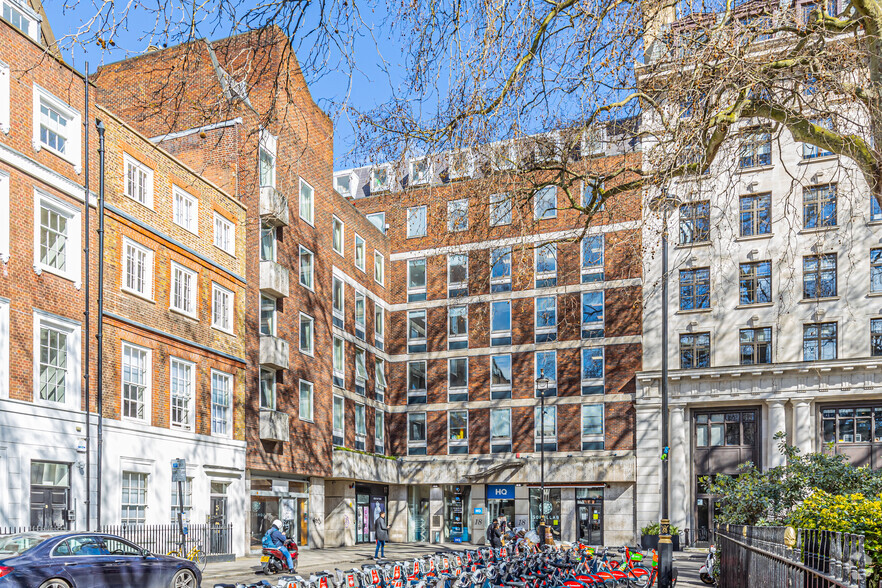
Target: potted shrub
(649, 537)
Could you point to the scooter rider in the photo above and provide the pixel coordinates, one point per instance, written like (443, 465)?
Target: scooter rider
(279, 539)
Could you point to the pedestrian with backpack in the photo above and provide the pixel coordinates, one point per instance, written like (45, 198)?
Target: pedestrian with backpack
(382, 532)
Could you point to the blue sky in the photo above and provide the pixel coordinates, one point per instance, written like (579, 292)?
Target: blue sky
(369, 85)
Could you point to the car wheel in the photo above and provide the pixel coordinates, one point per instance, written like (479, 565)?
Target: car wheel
(55, 583)
(184, 579)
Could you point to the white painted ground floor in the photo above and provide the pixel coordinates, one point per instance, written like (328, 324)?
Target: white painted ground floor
(727, 416)
(43, 474)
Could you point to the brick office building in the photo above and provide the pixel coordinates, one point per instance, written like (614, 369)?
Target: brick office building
(490, 291)
(270, 146)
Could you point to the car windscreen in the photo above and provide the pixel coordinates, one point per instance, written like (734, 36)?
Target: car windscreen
(15, 545)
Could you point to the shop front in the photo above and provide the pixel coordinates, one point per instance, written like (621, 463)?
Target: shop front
(457, 513)
(589, 515)
(286, 500)
(549, 508)
(370, 501)
(501, 502)
(418, 498)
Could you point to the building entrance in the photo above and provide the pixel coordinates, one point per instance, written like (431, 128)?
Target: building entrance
(589, 515)
(50, 495)
(370, 501)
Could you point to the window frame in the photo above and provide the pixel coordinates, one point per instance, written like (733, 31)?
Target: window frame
(592, 438)
(755, 147)
(335, 223)
(179, 195)
(360, 245)
(590, 328)
(414, 340)
(126, 477)
(231, 393)
(500, 209)
(692, 280)
(73, 370)
(311, 256)
(380, 382)
(819, 339)
(541, 437)
(380, 214)
(130, 162)
(694, 222)
(229, 316)
(751, 208)
(73, 237)
(146, 398)
(500, 441)
(818, 205)
(551, 390)
(455, 214)
(417, 392)
(458, 339)
(499, 333)
(417, 290)
(267, 375)
(462, 284)
(379, 431)
(457, 390)
(302, 319)
(419, 445)
(359, 426)
(338, 313)
(338, 433)
(379, 268)
(339, 373)
(361, 375)
(756, 345)
(875, 337)
(502, 390)
(876, 270)
(310, 201)
(409, 220)
(820, 275)
(591, 272)
(544, 333)
(459, 442)
(500, 283)
(595, 384)
(227, 226)
(750, 282)
(149, 268)
(191, 367)
(73, 144)
(274, 323)
(538, 197)
(420, 179)
(696, 349)
(192, 299)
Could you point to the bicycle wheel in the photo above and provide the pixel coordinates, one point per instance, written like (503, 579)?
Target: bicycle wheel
(199, 558)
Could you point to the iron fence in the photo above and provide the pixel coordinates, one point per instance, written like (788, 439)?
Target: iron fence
(789, 558)
(216, 541)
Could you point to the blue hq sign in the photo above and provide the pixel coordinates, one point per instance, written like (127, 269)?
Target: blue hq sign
(500, 491)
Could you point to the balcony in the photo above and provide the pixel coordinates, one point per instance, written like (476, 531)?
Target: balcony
(273, 425)
(273, 352)
(273, 279)
(273, 207)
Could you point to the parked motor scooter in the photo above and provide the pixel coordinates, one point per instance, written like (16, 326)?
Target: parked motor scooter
(706, 573)
(273, 561)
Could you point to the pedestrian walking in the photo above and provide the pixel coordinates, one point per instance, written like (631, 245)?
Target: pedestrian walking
(493, 535)
(382, 532)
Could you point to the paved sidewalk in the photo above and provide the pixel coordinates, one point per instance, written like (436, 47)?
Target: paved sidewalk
(247, 569)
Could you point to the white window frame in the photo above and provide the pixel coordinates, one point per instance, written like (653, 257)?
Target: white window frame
(311, 285)
(376, 185)
(461, 337)
(191, 385)
(310, 350)
(310, 209)
(417, 443)
(452, 218)
(73, 376)
(457, 285)
(5, 213)
(552, 378)
(417, 289)
(228, 422)
(336, 222)
(592, 141)
(379, 323)
(311, 390)
(148, 269)
(506, 279)
(217, 289)
(592, 270)
(546, 274)
(503, 333)
(498, 217)
(419, 391)
(360, 246)
(505, 440)
(73, 144)
(269, 143)
(379, 432)
(130, 162)
(361, 375)
(457, 389)
(340, 312)
(275, 320)
(194, 276)
(224, 234)
(457, 442)
(416, 178)
(5, 97)
(544, 213)
(382, 214)
(456, 171)
(544, 330)
(341, 371)
(73, 242)
(359, 425)
(596, 324)
(597, 437)
(380, 382)
(353, 183)
(360, 323)
(542, 438)
(503, 156)
(341, 432)
(139, 506)
(502, 387)
(191, 223)
(592, 381)
(148, 382)
(272, 388)
(379, 268)
(413, 210)
(415, 314)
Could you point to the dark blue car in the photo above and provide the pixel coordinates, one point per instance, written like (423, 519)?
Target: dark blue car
(88, 560)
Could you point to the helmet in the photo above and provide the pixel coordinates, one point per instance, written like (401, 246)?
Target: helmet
(277, 524)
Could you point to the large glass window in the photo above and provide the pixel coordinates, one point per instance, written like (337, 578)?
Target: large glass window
(500, 210)
(267, 243)
(694, 350)
(500, 322)
(695, 288)
(307, 268)
(592, 314)
(854, 424)
(268, 389)
(546, 319)
(819, 206)
(379, 268)
(181, 393)
(57, 228)
(546, 265)
(592, 427)
(876, 337)
(53, 364)
(138, 269)
(756, 345)
(876, 270)
(55, 128)
(819, 341)
(361, 374)
(416, 381)
(307, 202)
(183, 291)
(458, 272)
(380, 378)
(545, 202)
(592, 258)
(458, 215)
(221, 403)
(756, 214)
(134, 499)
(307, 334)
(756, 148)
(416, 279)
(416, 222)
(500, 430)
(306, 397)
(546, 367)
(819, 276)
(721, 429)
(500, 269)
(416, 331)
(457, 327)
(416, 433)
(224, 235)
(458, 431)
(592, 370)
(755, 282)
(221, 308)
(186, 210)
(500, 377)
(548, 434)
(458, 379)
(694, 222)
(338, 421)
(138, 182)
(267, 316)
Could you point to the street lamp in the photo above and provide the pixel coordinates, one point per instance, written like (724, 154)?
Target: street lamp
(542, 386)
(664, 203)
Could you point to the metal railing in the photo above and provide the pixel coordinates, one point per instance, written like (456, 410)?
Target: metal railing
(788, 557)
(216, 541)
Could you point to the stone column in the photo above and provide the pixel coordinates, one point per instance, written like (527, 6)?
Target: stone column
(777, 422)
(316, 513)
(803, 431)
(679, 467)
(436, 513)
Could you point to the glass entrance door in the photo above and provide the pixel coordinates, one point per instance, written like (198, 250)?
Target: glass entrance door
(362, 518)
(590, 520)
(704, 519)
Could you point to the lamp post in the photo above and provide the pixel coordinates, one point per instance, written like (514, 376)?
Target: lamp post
(541, 387)
(664, 203)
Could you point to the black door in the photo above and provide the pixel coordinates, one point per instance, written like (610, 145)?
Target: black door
(704, 520)
(219, 524)
(49, 505)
